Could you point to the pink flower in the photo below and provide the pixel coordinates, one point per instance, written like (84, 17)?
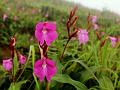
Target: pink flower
(7, 64)
(93, 19)
(102, 33)
(22, 59)
(45, 68)
(113, 41)
(95, 26)
(5, 17)
(46, 32)
(82, 36)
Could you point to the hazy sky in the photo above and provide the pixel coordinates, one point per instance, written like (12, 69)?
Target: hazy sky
(112, 5)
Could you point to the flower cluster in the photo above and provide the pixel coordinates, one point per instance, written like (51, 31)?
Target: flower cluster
(81, 33)
(8, 64)
(45, 33)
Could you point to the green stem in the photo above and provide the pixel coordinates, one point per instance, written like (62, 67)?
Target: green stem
(100, 55)
(13, 76)
(47, 85)
(24, 66)
(64, 49)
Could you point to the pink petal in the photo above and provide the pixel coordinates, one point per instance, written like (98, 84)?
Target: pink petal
(83, 36)
(113, 41)
(5, 17)
(39, 26)
(50, 26)
(38, 70)
(50, 37)
(38, 32)
(94, 19)
(22, 59)
(39, 36)
(95, 26)
(7, 64)
(51, 69)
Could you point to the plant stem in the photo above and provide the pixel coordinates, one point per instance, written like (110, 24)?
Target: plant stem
(47, 85)
(13, 76)
(24, 66)
(64, 49)
(100, 55)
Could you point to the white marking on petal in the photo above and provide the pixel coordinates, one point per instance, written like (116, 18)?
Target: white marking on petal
(44, 30)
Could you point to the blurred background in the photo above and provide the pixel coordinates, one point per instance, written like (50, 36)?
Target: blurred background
(111, 5)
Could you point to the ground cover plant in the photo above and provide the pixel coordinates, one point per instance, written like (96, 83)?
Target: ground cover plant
(57, 49)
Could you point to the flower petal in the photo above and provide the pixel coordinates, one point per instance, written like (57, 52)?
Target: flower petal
(82, 36)
(50, 26)
(38, 32)
(113, 41)
(7, 64)
(22, 59)
(39, 26)
(39, 36)
(51, 69)
(38, 70)
(50, 37)
(94, 19)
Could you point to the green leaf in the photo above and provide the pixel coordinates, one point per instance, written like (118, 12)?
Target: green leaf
(106, 83)
(66, 79)
(15, 64)
(59, 67)
(86, 75)
(17, 85)
(32, 52)
(118, 84)
(84, 65)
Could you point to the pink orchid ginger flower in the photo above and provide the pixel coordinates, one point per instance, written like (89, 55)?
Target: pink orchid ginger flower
(7, 64)
(113, 41)
(46, 32)
(102, 33)
(93, 19)
(45, 68)
(5, 17)
(22, 59)
(82, 36)
(95, 26)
